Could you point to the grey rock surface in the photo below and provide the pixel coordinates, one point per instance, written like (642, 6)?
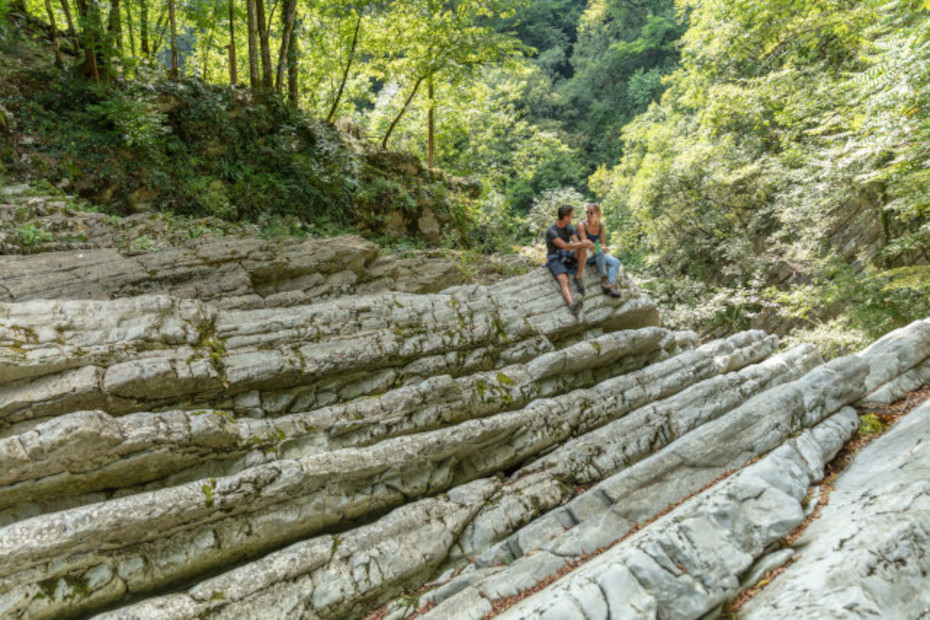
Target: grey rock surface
(867, 555)
(689, 561)
(230, 427)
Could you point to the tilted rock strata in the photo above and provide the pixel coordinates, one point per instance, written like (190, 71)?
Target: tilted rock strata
(117, 499)
(232, 273)
(546, 483)
(604, 513)
(162, 456)
(867, 554)
(147, 352)
(91, 450)
(689, 561)
(601, 515)
(330, 575)
(322, 489)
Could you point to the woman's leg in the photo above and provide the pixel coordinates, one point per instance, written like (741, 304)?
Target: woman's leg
(599, 261)
(613, 264)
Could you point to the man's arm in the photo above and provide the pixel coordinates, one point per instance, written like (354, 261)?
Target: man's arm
(578, 243)
(564, 245)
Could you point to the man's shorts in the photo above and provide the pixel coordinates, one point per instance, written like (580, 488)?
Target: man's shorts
(562, 262)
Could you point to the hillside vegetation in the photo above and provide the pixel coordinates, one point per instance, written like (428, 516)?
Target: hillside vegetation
(784, 175)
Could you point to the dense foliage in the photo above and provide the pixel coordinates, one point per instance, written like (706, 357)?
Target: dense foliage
(789, 126)
(526, 96)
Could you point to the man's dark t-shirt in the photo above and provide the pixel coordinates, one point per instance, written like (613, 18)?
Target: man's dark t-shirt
(565, 234)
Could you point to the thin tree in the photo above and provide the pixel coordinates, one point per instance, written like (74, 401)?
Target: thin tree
(232, 45)
(254, 74)
(55, 44)
(174, 41)
(390, 129)
(91, 29)
(72, 33)
(161, 28)
(144, 27)
(431, 122)
(267, 70)
(288, 17)
(345, 72)
(115, 28)
(132, 39)
(209, 46)
(292, 71)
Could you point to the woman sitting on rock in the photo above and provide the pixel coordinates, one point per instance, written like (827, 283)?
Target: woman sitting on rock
(592, 228)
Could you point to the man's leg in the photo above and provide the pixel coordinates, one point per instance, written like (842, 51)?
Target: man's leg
(581, 255)
(566, 294)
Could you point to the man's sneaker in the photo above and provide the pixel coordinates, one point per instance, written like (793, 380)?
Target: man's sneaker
(614, 292)
(579, 286)
(575, 308)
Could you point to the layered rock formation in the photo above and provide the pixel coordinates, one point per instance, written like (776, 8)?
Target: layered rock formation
(50, 250)
(219, 449)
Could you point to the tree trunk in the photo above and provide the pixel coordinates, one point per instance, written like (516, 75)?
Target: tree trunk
(345, 73)
(144, 26)
(174, 41)
(400, 114)
(206, 51)
(115, 28)
(232, 46)
(72, 33)
(254, 75)
(267, 70)
(55, 44)
(431, 138)
(132, 38)
(288, 17)
(160, 28)
(91, 29)
(292, 73)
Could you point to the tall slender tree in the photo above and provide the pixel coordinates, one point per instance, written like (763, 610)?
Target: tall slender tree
(144, 27)
(348, 67)
(115, 28)
(288, 17)
(233, 78)
(267, 70)
(254, 72)
(174, 41)
(55, 43)
(293, 71)
(72, 33)
(91, 32)
(129, 28)
(400, 114)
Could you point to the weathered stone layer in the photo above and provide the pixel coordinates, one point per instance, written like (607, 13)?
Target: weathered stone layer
(867, 555)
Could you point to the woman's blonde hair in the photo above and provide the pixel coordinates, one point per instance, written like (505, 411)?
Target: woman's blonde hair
(597, 210)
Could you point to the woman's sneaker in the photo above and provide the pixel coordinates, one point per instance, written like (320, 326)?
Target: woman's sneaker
(575, 308)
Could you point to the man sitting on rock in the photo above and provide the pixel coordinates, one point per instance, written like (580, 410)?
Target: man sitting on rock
(565, 254)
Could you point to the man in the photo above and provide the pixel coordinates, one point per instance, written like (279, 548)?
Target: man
(565, 253)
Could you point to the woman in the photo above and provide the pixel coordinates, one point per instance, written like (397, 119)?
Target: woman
(592, 228)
